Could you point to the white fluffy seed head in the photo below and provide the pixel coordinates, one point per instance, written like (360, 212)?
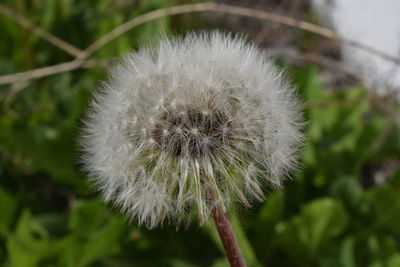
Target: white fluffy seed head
(207, 113)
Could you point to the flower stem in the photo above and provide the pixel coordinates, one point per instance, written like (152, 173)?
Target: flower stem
(223, 226)
(228, 238)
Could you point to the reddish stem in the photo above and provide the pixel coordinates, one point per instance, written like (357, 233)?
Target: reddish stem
(223, 225)
(228, 238)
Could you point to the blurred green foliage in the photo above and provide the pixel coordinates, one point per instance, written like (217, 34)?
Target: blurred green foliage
(50, 217)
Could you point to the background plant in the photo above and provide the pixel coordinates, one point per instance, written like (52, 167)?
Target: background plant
(337, 211)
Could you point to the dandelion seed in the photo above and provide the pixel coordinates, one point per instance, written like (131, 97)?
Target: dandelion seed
(193, 123)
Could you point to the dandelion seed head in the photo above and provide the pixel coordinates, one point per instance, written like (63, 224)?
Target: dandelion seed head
(208, 105)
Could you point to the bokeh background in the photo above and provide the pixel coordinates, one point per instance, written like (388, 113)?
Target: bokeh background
(342, 208)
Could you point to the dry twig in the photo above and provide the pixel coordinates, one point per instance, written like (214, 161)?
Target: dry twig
(15, 88)
(50, 70)
(208, 6)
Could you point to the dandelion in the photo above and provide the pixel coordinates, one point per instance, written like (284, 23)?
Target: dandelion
(191, 128)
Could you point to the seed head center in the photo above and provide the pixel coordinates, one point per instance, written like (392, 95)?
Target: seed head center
(188, 131)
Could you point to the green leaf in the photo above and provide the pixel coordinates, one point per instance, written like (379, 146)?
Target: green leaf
(271, 211)
(95, 234)
(221, 262)
(7, 210)
(385, 203)
(313, 94)
(264, 223)
(87, 217)
(321, 220)
(347, 258)
(394, 261)
(29, 244)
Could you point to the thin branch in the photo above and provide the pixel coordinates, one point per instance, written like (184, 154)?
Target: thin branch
(152, 15)
(234, 10)
(51, 70)
(208, 6)
(15, 88)
(304, 25)
(27, 24)
(334, 103)
(313, 58)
